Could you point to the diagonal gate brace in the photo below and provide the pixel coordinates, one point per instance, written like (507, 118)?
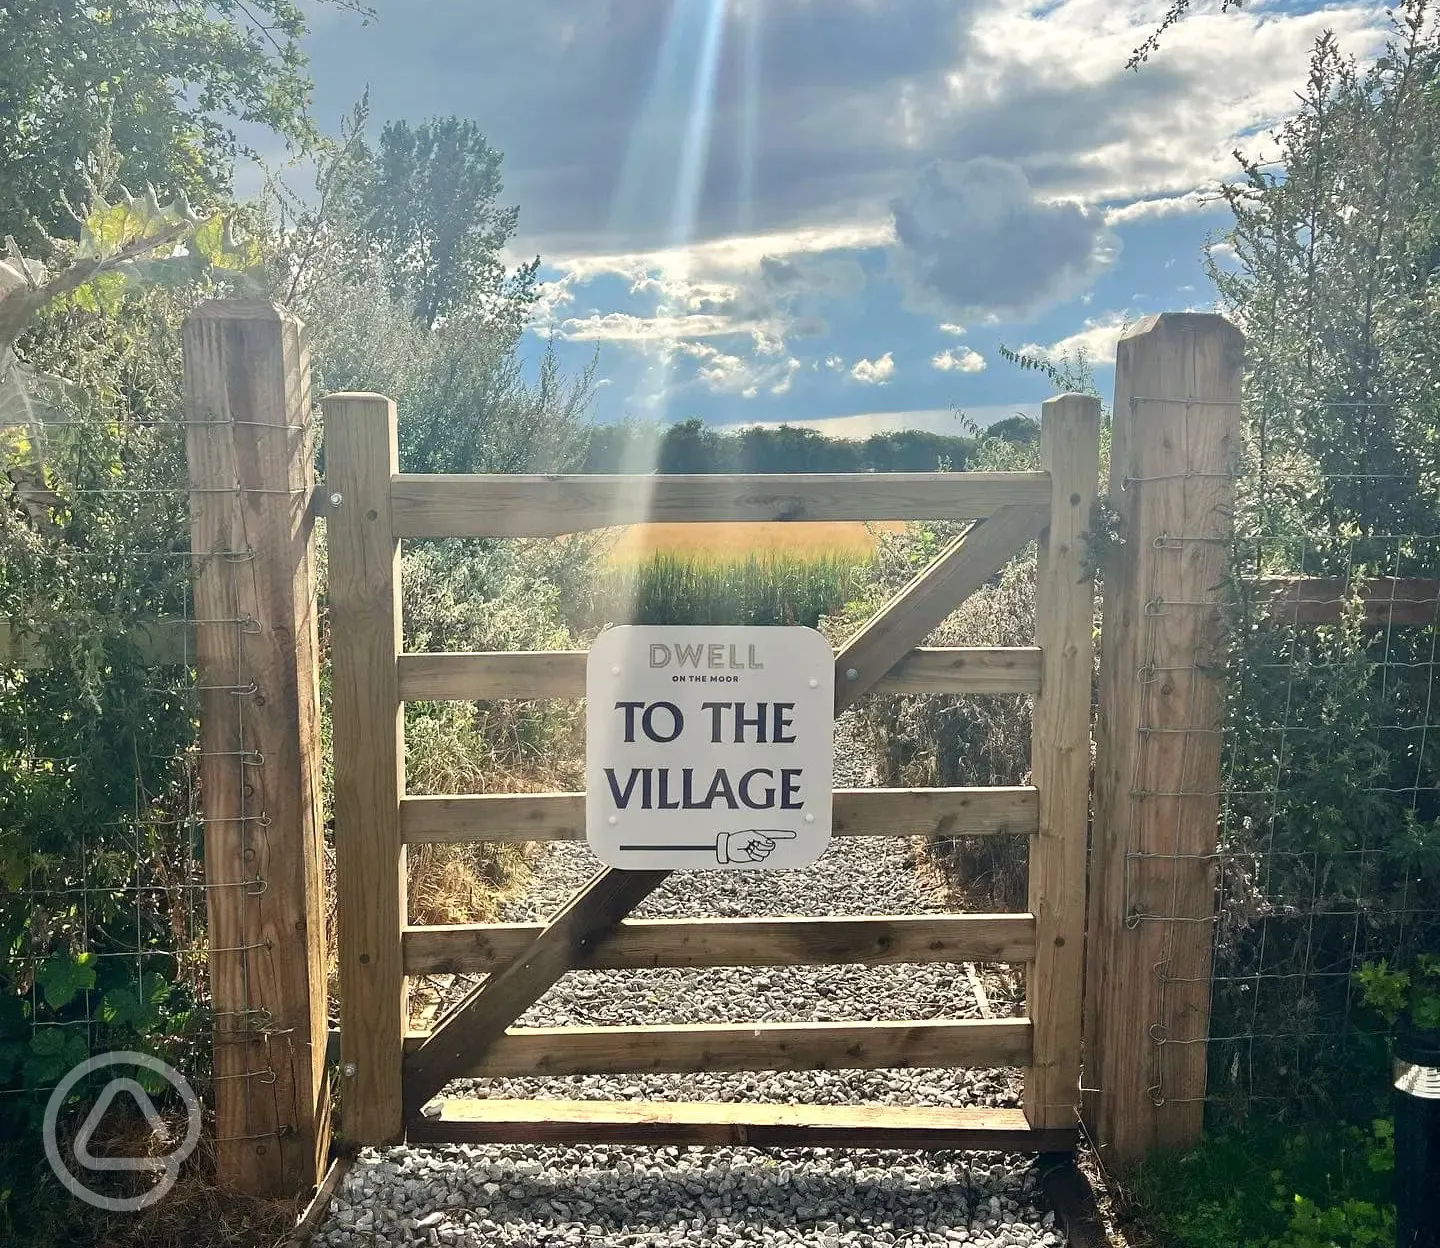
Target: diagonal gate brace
(483, 1015)
(921, 606)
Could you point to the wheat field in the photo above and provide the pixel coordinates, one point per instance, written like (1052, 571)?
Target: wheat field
(727, 543)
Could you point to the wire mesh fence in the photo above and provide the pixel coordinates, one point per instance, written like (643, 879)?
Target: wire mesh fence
(1326, 872)
(1329, 842)
(104, 913)
(139, 703)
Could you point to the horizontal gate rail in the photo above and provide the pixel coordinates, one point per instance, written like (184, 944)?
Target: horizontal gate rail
(494, 505)
(477, 1021)
(684, 1048)
(922, 605)
(480, 675)
(863, 940)
(759, 1126)
(513, 817)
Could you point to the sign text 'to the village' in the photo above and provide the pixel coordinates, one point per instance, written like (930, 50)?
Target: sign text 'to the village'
(709, 747)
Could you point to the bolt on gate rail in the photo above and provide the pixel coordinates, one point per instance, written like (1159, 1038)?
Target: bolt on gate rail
(392, 1075)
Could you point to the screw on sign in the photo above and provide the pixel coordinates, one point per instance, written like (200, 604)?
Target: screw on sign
(709, 747)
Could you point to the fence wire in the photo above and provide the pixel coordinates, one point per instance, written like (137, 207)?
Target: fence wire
(1327, 869)
(102, 832)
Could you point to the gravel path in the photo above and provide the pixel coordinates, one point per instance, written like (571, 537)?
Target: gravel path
(633, 1197)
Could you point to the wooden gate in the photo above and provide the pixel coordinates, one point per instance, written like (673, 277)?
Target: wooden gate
(388, 1076)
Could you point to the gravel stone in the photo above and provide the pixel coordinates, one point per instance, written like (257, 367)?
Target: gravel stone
(625, 1197)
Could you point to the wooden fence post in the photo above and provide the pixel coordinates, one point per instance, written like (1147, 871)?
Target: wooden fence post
(1060, 757)
(368, 726)
(247, 404)
(1158, 742)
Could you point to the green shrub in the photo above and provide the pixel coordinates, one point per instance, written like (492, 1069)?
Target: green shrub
(1316, 1186)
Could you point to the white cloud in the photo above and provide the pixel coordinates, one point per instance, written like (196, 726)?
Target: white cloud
(949, 327)
(739, 254)
(1046, 85)
(627, 327)
(700, 303)
(930, 420)
(874, 372)
(1097, 341)
(1163, 206)
(965, 360)
(724, 373)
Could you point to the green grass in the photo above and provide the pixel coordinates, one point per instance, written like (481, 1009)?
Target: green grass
(679, 589)
(1316, 1185)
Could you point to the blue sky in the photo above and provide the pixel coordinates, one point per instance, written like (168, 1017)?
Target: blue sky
(835, 211)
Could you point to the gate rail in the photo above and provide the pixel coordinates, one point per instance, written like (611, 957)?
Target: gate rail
(391, 1075)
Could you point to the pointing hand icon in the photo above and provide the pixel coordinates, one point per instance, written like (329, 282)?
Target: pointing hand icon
(751, 845)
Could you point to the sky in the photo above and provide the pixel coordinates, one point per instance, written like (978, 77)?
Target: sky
(835, 212)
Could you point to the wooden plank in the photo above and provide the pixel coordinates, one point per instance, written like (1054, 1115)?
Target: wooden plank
(918, 609)
(247, 411)
(1388, 600)
(513, 505)
(318, 1209)
(1060, 757)
(864, 940)
(1073, 1199)
(542, 1051)
(1151, 918)
(720, 1125)
(513, 817)
(368, 721)
(476, 676)
(469, 1032)
(964, 669)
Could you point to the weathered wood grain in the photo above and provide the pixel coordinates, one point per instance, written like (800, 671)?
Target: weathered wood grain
(857, 812)
(1389, 601)
(1060, 757)
(1173, 452)
(865, 940)
(247, 408)
(369, 743)
(544, 1051)
(728, 1125)
(465, 677)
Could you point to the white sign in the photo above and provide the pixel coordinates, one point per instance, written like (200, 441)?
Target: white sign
(709, 747)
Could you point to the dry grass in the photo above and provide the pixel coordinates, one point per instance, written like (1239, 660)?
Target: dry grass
(946, 740)
(841, 539)
(197, 1211)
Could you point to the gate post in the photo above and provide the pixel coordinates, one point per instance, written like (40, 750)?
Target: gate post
(1158, 738)
(368, 729)
(1060, 757)
(247, 412)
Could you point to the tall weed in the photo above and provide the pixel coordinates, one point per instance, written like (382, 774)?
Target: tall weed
(926, 740)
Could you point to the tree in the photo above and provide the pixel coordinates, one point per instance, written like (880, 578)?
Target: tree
(406, 294)
(1332, 269)
(427, 201)
(1023, 430)
(162, 83)
(1335, 279)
